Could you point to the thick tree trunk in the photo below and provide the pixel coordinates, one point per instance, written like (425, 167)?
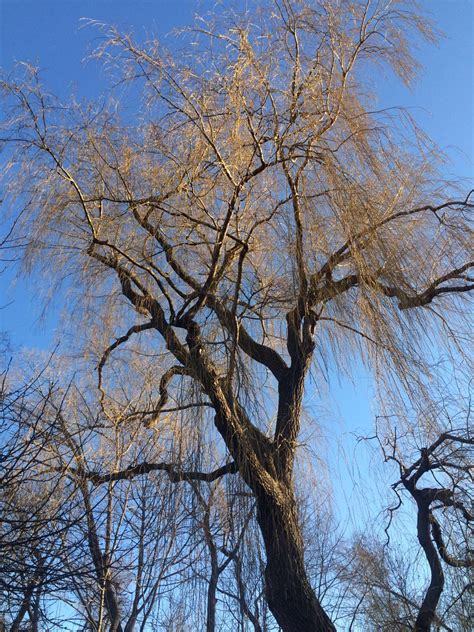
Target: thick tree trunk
(112, 608)
(289, 594)
(266, 467)
(427, 610)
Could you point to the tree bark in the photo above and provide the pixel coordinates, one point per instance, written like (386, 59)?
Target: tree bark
(427, 610)
(100, 564)
(25, 604)
(289, 594)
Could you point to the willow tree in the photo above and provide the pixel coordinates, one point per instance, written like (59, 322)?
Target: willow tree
(249, 215)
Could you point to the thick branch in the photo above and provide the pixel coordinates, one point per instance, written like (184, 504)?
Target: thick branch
(119, 341)
(445, 436)
(174, 474)
(445, 556)
(144, 303)
(164, 397)
(260, 353)
(408, 301)
(342, 253)
(433, 593)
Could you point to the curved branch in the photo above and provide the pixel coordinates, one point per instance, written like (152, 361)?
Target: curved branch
(408, 301)
(119, 341)
(164, 397)
(174, 474)
(256, 351)
(342, 252)
(445, 556)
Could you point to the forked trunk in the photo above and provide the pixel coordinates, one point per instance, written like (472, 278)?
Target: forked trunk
(289, 594)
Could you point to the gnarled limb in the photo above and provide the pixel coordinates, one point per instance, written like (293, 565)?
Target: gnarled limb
(176, 475)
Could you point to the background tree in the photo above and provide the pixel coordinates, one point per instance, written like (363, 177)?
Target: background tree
(436, 471)
(30, 504)
(257, 216)
(107, 552)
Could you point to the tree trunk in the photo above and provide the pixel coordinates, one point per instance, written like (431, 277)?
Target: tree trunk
(211, 603)
(101, 564)
(427, 610)
(25, 607)
(112, 608)
(21, 613)
(288, 591)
